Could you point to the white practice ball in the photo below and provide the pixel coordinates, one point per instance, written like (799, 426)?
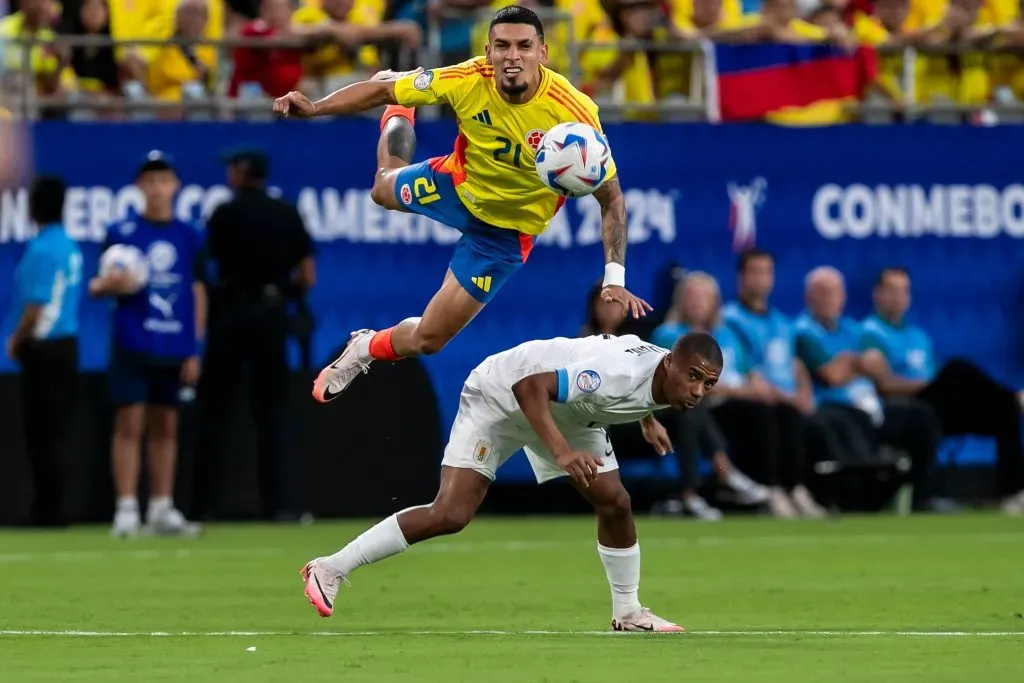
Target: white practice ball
(126, 258)
(573, 159)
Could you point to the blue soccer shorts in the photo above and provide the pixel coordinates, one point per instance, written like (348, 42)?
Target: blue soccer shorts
(485, 256)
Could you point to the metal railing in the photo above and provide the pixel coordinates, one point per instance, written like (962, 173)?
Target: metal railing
(215, 102)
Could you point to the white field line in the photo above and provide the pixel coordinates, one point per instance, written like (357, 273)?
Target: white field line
(472, 546)
(351, 634)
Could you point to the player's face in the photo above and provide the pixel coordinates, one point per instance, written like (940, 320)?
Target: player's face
(516, 52)
(892, 296)
(758, 278)
(158, 187)
(688, 382)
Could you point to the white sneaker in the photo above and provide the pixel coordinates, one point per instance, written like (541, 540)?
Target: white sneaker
(170, 522)
(322, 585)
(748, 491)
(780, 505)
(805, 503)
(353, 361)
(127, 523)
(1014, 505)
(645, 621)
(699, 508)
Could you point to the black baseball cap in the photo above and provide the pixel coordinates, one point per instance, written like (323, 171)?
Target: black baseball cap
(156, 161)
(255, 160)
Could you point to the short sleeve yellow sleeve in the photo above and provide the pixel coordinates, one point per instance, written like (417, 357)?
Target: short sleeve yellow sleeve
(869, 31)
(438, 85)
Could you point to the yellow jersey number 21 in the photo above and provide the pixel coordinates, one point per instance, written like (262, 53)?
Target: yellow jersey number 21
(425, 191)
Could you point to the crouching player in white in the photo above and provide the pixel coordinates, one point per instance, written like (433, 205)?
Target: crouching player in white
(552, 398)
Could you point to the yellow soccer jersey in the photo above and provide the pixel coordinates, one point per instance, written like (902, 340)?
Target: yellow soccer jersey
(493, 161)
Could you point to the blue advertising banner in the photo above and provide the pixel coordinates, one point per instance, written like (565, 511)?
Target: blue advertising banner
(945, 202)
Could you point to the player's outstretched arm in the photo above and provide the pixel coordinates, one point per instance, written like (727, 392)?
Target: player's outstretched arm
(352, 99)
(614, 235)
(534, 393)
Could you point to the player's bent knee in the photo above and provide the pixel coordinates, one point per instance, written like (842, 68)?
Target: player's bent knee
(450, 519)
(616, 506)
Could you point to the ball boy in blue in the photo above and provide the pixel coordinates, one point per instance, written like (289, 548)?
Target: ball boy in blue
(155, 346)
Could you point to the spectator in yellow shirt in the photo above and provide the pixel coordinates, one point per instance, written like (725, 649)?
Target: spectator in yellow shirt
(174, 68)
(690, 20)
(47, 64)
(355, 26)
(961, 78)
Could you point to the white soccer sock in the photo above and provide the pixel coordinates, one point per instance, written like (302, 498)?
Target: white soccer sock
(127, 503)
(158, 505)
(622, 566)
(373, 545)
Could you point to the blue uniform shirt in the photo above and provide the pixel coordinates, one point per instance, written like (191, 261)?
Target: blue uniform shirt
(768, 343)
(818, 346)
(158, 321)
(50, 275)
(735, 364)
(907, 348)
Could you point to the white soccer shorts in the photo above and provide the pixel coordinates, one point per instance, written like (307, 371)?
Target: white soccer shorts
(482, 440)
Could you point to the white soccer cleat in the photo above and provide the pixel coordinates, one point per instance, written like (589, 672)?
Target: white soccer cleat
(781, 506)
(748, 491)
(322, 585)
(353, 361)
(1014, 505)
(645, 621)
(127, 523)
(701, 509)
(805, 503)
(170, 522)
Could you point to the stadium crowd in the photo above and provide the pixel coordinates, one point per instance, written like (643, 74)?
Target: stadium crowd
(319, 45)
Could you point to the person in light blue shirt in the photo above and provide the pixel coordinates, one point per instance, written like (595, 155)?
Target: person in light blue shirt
(899, 358)
(47, 294)
(829, 344)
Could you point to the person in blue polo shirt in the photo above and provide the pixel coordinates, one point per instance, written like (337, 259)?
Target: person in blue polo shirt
(155, 349)
(898, 357)
(829, 345)
(47, 291)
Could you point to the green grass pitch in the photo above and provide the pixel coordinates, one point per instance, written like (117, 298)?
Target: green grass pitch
(869, 599)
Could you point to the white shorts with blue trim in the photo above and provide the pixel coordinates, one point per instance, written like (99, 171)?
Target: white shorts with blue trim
(482, 439)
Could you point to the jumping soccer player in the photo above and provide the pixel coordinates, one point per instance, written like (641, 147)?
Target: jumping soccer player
(552, 398)
(487, 188)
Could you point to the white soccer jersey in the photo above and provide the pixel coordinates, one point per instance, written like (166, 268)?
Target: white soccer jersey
(602, 380)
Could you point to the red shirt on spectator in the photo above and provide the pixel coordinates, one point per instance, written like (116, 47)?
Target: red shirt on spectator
(277, 70)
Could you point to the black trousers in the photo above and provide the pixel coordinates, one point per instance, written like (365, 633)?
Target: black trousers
(769, 442)
(968, 401)
(49, 386)
(692, 433)
(242, 337)
(909, 425)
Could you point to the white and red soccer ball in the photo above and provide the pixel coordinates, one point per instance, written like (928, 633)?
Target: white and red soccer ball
(573, 159)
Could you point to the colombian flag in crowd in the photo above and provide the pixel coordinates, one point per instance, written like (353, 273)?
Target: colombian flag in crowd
(789, 84)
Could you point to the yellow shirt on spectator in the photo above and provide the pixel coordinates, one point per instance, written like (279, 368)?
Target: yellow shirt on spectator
(333, 60)
(154, 19)
(170, 69)
(42, 61)
(870, 31)
(675, 69)
(997, 13)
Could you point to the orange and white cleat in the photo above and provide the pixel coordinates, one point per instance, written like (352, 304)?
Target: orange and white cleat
(322, 585)
(353, 361)
(645, 621)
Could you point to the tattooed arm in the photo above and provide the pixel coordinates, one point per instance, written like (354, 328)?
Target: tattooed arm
(614, 236)
(613, 221)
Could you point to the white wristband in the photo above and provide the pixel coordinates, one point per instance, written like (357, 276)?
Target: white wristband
(614, 275)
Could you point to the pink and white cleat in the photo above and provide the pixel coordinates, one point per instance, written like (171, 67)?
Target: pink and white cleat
(645, 621)
(355, 359)
(322, 586)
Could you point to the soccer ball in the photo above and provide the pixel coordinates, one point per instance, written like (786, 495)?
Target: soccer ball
(126, 258)
(573, 159)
